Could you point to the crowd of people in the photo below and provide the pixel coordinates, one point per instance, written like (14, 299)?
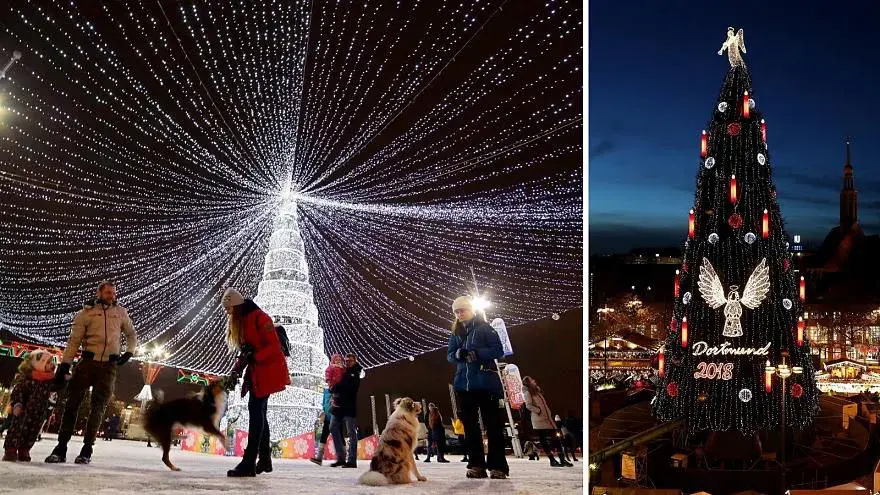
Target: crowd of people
(473, 349)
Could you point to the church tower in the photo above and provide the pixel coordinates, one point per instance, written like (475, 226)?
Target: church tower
(849, 197)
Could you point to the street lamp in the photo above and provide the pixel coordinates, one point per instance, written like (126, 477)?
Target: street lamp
(783, 370)
(602, 313)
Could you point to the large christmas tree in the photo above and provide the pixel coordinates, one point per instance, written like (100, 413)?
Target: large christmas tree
(286, 295)
(738, 300)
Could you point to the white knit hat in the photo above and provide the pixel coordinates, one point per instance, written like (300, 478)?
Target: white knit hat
(231, 298)
(462, 302)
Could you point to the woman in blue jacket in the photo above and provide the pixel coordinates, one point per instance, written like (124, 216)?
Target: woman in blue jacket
(473, 348)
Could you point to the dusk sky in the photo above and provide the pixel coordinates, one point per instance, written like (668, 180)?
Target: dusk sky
(654, 76)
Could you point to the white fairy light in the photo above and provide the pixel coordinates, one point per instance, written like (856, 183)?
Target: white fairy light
(164, 165)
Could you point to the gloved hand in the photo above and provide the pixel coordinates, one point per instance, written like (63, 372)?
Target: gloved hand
(247, 351)
(16, 410)
(471, 356)
(123, 358)
(61, 374)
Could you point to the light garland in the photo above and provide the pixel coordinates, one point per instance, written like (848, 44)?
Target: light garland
(712, 382)
(152, 143)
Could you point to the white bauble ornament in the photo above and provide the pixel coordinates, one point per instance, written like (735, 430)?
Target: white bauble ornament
(722, 107)
(751, 104)
(555, 316)
(745, 395)
(786, 303)
(762, 159)
(412, 358)
(713, 238)
(710, 162)
(750, 238)
(686, 298)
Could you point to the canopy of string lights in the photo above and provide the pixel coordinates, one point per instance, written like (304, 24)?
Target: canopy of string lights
(425, 146)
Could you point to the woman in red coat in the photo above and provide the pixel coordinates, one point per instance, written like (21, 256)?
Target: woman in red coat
(251, 331)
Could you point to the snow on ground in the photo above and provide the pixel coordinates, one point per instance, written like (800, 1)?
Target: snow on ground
(131, 467)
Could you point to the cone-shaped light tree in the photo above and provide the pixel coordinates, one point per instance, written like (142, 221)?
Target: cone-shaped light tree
(738, 301)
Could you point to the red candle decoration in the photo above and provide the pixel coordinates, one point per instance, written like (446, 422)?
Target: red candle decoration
(691, 224)
(704, 144)
(684, 332)
(803, 290)
(800, 331)
(661, 364)
(676, 284)
(765, 225)
(733, 189)
(768, 379)
(746, 105)
(764, 131)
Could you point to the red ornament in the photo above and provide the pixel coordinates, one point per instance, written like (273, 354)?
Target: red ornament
(661, 365)
(684, 267)
(735, 221)
(684, 332)
(691, 224)
(801, 325)
(765, 225)
(786, 264)
(672, 389)
(672, 326)
(733, 129)
(797, 391)
(704, 144)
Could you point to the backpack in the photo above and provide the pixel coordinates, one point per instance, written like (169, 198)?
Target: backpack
(282, 338)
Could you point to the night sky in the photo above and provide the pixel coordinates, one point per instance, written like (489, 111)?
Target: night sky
(654, 75)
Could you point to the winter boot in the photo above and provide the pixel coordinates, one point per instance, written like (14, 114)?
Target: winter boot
(264, 465)
(85, 455)
(58, 455)
(24, 455)
(244, 469)
(497, 475)
(465, 459)
(477, 473)
(11, 455)
(442, 459)
(338, 463)
(555, 463)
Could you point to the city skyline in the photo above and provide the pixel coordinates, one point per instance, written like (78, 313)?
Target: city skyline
(812, 81)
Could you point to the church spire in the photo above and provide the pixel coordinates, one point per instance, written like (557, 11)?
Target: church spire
(849, 197)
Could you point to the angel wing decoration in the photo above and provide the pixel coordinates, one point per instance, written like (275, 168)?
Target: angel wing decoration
(713, 292)
(734, 44)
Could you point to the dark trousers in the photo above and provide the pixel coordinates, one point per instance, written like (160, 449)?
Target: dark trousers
(258, 430)
(548, 439)
(339, 439)
(101, 376)
(474, 404)
(325, 429)
(438, 437)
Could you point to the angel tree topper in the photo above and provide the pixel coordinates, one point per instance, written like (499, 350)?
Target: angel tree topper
(733, 44)
(713, 292)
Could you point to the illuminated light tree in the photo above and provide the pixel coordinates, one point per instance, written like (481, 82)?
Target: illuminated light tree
(286, 295)
(738, 293)
(150, 143)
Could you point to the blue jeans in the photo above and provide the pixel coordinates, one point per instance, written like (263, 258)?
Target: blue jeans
(339, 443)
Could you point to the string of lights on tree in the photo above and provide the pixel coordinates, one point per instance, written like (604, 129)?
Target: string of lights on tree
(150, 143)
(738, 301)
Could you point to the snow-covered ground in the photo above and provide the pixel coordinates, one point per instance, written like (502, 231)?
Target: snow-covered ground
(131, 467)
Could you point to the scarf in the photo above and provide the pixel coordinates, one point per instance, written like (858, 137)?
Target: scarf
(42, 376)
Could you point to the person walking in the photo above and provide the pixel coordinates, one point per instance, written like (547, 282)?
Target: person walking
(473, 348)
(250, 331)
(436, 433)
(542, 421)
(98, 327)
(343, 408)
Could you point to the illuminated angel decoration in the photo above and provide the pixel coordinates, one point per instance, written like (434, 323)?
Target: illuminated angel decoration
(713, 292)
(734, 44)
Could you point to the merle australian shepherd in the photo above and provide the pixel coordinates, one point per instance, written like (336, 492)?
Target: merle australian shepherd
(202, 411)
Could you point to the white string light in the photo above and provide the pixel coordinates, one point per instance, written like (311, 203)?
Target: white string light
(157, 155)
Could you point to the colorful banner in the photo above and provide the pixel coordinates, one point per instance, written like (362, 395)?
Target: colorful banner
(513, 386)
(298, 447)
